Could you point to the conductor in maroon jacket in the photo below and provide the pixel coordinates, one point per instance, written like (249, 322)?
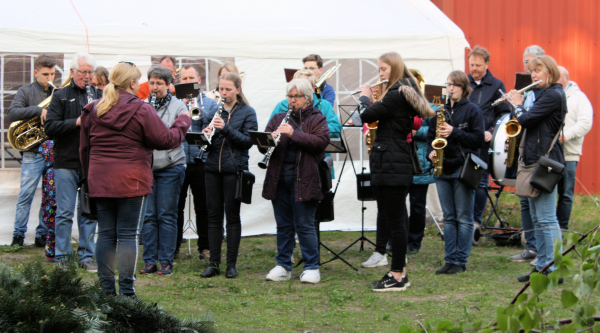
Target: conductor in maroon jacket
(293, 183)
(123, 132)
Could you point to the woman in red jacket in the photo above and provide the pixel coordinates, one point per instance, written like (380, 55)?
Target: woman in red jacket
(293, 182)
(123, 132)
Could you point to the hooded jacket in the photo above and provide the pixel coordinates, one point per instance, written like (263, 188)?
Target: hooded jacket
(467, 134)
(541, 122)
(122, 141)
(311, 140)
(61, 120)
(390, 160)
(578, 121)
(238, 122)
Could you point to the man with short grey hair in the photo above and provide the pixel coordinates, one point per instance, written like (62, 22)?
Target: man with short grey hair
(62, 124)
(531, 51)
(578, 122)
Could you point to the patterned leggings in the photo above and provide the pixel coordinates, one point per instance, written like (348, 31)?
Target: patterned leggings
(48, 196)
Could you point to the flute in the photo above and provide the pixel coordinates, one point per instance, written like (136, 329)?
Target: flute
(505, 96)
(373, 86)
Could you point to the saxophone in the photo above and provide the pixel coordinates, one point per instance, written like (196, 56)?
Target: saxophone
(372, 127)
(439, 143)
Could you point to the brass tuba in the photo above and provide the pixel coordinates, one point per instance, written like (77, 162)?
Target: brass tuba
(27, 133)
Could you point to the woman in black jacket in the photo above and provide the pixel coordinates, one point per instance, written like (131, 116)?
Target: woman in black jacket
(230, 137)
(542, 123)
(390, 162)
(463, 130)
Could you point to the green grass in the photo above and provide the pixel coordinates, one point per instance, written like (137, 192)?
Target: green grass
(343, 302)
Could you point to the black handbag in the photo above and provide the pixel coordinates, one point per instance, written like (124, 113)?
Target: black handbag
(244, 183)
(87, 204)
(546, 175)
(472, 170)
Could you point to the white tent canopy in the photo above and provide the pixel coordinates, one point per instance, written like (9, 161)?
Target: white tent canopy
(263, 37)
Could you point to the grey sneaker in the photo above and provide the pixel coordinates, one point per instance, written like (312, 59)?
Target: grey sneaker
(89, 266)
(525, 255)
(376, 260)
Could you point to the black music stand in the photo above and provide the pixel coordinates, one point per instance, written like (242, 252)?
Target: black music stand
(187, 90)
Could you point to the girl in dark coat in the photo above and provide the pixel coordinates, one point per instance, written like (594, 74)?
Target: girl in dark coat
(293, 183)
(230, 137)
(463, 130)
(390, 161)
(541, 123)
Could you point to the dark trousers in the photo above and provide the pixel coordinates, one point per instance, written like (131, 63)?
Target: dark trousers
(391, 220)
(220, 192)
(194, 179)
(416, 224)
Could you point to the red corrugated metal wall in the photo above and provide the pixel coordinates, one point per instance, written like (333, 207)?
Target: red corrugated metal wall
(567, 30)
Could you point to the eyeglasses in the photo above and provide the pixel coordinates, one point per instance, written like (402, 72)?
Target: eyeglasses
(295, 96)
(127, 62)
(448, 85)
(152, 83)
(85, 72)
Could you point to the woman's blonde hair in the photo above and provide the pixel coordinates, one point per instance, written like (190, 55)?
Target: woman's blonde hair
(398, 71)
(306, 74)
(120, 77)
(237, 82)
(548, 65)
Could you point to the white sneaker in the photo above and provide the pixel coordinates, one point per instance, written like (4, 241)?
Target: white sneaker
(310, 276)
(533, 262)
(377, 260)
(279, 274)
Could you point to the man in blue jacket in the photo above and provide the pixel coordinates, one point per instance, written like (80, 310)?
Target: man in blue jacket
(486, 89)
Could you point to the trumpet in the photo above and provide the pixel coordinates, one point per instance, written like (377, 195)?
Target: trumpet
(357, 91)
(329, 73)
(505, 96)
(195, 110)
(265, 162)
(212, 132)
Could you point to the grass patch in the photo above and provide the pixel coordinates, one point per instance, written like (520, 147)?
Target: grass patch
(343, 302)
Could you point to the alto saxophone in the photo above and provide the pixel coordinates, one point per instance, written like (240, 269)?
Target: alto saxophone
(372, 127)
(439, 143)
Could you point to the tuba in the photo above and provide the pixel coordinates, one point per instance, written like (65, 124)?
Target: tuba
(28, 133)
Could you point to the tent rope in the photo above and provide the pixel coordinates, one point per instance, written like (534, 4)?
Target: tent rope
(82, 21)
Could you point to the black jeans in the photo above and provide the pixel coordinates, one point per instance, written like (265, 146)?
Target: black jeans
(391, 220)
(416, 225)
(220, 192)
(194, 178)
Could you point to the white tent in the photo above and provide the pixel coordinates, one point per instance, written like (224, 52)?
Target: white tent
(262, 37)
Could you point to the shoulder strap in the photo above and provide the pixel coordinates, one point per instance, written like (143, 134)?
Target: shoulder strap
(562, 125)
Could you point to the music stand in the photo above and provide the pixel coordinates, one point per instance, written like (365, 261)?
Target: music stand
(351, 112)
(522, 80)
(289, 74)
(187, 90)
(262, 140)
(196, 138)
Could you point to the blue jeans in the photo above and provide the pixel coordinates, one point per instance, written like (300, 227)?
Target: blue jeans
(66, 203)
(159, 232)
(528, 228)
(119, 222)
(481, 197)
(298, 217)
(543, 214)
(32, 167)
(566, 189)
(457, 201)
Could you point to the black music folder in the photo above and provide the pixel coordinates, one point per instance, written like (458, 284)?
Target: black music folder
(187, 90)
(522, 80)
(196, 138)
(263, 139)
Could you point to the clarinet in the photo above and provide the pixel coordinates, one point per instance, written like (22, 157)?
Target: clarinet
(265, 162)
(153, 100)
(88, 91)
(208, 137)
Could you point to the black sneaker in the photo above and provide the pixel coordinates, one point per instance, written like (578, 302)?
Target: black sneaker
(405, 280)
(165, 269)
(148, 269)
(412, 251)
(525, 278)
(389, 283)
(444, 269)
(454, 269)
(17, 240)
(40, 241)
